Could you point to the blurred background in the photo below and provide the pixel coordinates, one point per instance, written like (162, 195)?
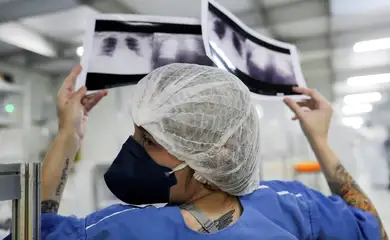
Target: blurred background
(344, 50)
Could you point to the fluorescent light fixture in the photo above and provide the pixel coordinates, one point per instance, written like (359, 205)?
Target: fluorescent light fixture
(372, 45)
(355, 122)
(369, 79)
(80, 51)
(20, 36)
(368, 97)
(356, 109)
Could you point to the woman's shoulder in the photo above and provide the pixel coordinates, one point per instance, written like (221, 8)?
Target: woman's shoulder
(129, 220)
(280, 188)
(126, 211)
(114, 222)
(283, 203)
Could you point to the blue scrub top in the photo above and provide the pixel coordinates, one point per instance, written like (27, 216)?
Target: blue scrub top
(276, 210)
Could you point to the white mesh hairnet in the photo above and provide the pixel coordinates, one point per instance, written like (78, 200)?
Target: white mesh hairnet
(205, 117)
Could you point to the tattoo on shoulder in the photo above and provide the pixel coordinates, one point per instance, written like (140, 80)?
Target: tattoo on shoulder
(49, 206)
(222, 222)
(64, 177)
(343, 185)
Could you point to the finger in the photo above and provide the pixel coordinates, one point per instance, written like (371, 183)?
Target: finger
(294, 106)
(70, 80)
(88, 98)
(296, 117)
(314, 94)
(80, 94)
(94, 99)
(306, 103)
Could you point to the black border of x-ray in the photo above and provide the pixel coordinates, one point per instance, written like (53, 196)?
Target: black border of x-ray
(258, 86)
(245, 34)
(147, 27)
(99, 81)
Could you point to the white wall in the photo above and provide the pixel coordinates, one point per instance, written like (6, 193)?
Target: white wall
(12, 139)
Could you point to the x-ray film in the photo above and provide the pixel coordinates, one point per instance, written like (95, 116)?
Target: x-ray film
(268, 67)
(121, 49)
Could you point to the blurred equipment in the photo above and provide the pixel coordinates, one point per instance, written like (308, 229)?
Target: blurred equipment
(311, 169)
(21, 184)
(8, 78)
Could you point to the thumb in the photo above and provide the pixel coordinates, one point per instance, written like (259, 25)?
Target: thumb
(80, 93)
(293, 105)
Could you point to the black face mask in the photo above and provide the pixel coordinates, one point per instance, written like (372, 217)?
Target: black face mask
(135, 178)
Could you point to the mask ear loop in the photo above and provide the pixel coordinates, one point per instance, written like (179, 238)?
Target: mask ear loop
(178, 168)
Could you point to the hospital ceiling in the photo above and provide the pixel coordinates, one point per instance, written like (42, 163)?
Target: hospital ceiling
(42, 35)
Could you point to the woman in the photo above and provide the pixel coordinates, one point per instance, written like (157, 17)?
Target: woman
(195, 146)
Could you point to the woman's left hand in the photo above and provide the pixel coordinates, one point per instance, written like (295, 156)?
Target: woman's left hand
(73, 107)
(314, 114)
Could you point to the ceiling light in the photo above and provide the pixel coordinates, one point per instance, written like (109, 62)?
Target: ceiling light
(368, 97)
(356, 109)
(369, 79)
(355, 122)
(372, 45)
(80, 51)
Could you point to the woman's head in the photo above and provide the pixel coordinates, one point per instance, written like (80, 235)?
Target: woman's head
(202, 116)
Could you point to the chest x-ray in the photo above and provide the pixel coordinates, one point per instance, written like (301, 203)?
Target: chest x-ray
(121, 53)
(121, 49)
(266, 66)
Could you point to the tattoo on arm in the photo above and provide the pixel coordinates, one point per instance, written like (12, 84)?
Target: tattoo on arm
(222, 222)
(343, 185)
(64, 177)
(52, 205)
(49, 206)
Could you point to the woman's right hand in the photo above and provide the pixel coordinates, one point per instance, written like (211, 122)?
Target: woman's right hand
(73, 107)
(314, 114)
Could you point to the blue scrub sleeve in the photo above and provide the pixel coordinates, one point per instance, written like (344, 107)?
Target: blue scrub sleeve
(334, 219)
(54, 226)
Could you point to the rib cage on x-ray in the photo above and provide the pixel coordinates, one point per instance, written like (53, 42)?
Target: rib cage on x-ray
(249, 57)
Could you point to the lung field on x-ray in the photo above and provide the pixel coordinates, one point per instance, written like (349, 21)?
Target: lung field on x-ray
(132, 41)
(133, 44)
(251, 58)
(269, 67)
(108, 46)
(225, 33)
(182, 48)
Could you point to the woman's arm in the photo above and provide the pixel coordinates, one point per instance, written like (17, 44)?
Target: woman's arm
(341, 182)
(72, 110)
(56, 166)
(314, 116)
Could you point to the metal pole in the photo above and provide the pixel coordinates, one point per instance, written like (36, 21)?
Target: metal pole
(26, 211)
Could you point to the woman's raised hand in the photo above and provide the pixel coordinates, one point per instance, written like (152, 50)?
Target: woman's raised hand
(314, 114)
(73, 107)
